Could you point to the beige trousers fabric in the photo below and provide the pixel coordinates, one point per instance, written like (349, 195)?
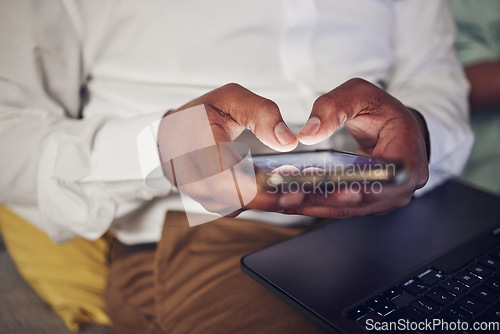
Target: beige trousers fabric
(192, 283)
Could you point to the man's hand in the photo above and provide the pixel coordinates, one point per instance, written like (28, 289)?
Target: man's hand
(200, 140)
(232, 108)
(383, 127)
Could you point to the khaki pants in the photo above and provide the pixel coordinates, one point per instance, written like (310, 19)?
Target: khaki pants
(192, 283)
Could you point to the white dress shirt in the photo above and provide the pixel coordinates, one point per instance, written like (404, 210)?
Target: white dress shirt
(70, 164)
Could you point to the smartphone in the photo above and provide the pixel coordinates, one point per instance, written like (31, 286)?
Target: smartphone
(327, 168)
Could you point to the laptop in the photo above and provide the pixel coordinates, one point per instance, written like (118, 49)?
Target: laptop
(435, 261)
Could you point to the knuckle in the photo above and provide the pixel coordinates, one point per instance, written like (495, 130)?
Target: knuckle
(264, 110)
(226, 93)
(372, 96)
(267, 106)
(324, 102)
(355, 81)
(358, 82)
(362, 86)
(232, 86)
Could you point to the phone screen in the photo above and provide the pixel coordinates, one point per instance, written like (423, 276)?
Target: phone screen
(325, 160)
(329, 165)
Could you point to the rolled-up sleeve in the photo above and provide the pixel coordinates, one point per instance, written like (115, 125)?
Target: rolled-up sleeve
(428, 77)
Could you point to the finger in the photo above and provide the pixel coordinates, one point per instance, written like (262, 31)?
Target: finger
(238, 108)
(335, 198)
(338, 106)
(285, 170)
(313, 171)
(290, 200)
(272, 201)
(342, 212)
(264, 201)
(357, 195)
(337, 212)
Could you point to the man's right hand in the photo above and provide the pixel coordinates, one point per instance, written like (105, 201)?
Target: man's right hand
(196, 136)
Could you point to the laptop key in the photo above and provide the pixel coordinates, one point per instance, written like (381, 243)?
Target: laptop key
(454, 286)
(440, 296)
(490, 262)
(466, 277)
(486, 295)
(430, 276)
(414, 286)
(479, 270)
(493, 312)
(407, 313)
(493, 284)
(392, 293)
(473, 304)
(454, 260)
(385, 308)
(376, 302)
(457, 312)
(403, 299)
(425, 305)
(358, 313)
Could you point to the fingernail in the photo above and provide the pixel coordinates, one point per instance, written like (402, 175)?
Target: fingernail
(311, 127)
(283, 133)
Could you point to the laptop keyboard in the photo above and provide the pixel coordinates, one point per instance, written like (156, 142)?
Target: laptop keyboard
(463, 285)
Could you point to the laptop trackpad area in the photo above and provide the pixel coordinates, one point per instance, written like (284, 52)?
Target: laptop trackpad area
(324, 277)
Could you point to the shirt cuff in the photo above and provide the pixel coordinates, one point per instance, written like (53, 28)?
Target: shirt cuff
(88, 176)
(115, 153)
(450, 146)
(149, 158)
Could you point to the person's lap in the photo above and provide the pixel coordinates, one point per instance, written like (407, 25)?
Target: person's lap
(192, 283)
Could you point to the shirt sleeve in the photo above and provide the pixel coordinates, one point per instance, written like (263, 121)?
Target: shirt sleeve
(428, 78)
(81, 172)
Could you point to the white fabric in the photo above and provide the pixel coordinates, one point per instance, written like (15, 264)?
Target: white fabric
(139, 59)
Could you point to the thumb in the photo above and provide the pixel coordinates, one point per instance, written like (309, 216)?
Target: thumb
(342, 104)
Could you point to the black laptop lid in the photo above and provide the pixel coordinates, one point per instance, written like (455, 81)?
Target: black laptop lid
(328, 269)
